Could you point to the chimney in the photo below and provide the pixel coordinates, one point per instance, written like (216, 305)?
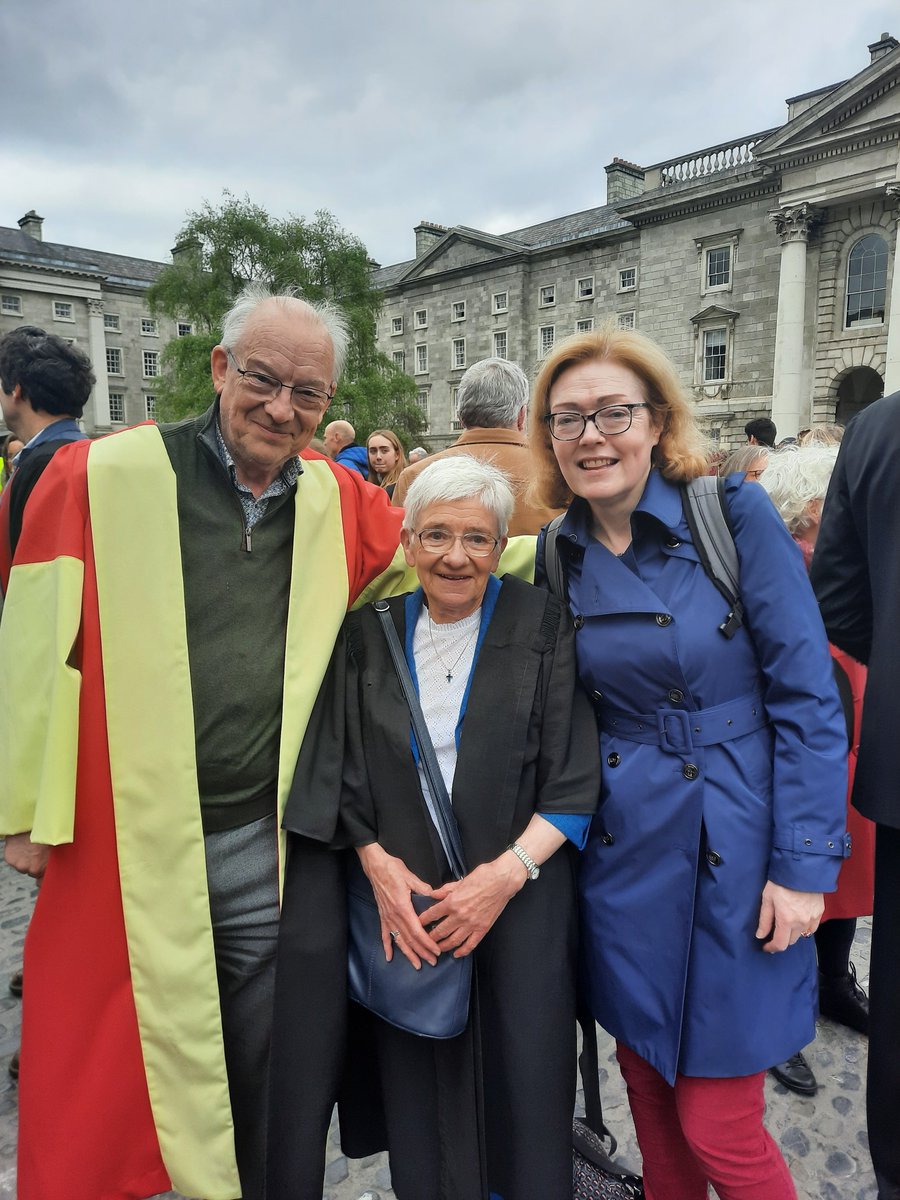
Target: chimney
(190, 246)
(624, 181)
(31, 224)
(883, 46)
(426, 236)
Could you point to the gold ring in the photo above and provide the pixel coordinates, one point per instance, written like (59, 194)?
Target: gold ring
(807, 933)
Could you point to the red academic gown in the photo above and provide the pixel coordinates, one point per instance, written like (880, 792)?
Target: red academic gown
(123, 1091)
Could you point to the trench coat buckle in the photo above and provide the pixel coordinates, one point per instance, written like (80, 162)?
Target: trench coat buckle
(674, 726)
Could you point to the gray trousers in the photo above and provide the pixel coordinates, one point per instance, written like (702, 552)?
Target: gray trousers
(242, 875)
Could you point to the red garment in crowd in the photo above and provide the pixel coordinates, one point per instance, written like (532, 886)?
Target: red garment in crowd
(856, 882)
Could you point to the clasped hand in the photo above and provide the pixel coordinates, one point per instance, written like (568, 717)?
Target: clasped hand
(463, 913)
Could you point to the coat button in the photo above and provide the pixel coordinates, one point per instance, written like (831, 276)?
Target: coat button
(607, 839)
(598, 696)
(613, 760)
(690, 771)
(579, 621)
(672, 542)
(713, 859)
(663, 619)
(676, 696)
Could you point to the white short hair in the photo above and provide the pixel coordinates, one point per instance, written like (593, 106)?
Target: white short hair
(328, 315)
(460, 477)
(795, 477)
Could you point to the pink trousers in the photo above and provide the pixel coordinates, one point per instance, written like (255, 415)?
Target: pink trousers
(703, 1131)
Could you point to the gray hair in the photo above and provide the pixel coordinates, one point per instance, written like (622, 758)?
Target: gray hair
(328, 315)
(460, 477)
(797, 477)
(742, 460)
(491, 394)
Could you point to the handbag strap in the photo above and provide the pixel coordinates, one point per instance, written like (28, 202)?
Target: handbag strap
(442, 815)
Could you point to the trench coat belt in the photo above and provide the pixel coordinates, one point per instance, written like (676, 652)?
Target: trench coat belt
(678, 731)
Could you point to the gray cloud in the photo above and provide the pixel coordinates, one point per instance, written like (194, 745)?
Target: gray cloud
(493, 113)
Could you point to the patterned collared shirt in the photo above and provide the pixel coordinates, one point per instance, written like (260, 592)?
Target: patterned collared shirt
(255, 506)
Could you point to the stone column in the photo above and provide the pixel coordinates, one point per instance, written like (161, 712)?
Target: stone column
(892, 354)
(97, 415)
(791, 403)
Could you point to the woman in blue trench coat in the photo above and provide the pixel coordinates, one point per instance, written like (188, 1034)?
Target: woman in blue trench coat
(722, 813)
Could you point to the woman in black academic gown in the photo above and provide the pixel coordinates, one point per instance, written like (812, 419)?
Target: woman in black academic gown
(488, 1112)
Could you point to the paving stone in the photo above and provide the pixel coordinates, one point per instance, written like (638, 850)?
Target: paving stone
(823, 1137)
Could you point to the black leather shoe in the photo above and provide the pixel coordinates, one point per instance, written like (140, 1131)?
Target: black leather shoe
(15, 983)
(844, 1001)
(797, 1075)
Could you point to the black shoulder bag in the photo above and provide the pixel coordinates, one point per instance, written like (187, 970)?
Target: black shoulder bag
(434, 1001)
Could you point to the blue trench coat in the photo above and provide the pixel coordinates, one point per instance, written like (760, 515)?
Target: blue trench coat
(699, 808)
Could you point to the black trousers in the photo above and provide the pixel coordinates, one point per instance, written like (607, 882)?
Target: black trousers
(883, 1086)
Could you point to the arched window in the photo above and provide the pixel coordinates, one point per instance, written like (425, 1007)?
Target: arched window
(867, 281)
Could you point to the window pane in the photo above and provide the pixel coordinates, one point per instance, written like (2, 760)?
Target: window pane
(866, 280)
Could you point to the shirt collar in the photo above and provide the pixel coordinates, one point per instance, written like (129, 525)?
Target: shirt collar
(64, 430)
(288, 476)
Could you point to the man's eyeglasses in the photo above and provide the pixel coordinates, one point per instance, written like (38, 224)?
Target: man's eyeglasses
(439, 541)
(570, 426)
(308, 398)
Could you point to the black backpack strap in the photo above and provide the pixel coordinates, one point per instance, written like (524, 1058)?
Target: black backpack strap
(589, 1066)
(706, 512)
(553, 568)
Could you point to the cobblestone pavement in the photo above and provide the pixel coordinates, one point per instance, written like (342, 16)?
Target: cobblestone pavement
(823, 1137)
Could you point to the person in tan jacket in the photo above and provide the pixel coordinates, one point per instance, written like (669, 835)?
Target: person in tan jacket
(492, 405)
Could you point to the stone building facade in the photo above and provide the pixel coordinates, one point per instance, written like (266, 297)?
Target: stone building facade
(97, 300)
(764, 266)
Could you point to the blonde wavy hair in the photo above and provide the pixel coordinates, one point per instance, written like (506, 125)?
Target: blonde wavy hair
(682, 452)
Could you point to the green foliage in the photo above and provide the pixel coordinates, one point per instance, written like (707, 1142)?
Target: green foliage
(378, 397)
(226, 246)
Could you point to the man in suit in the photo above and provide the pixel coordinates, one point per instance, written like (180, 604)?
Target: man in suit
(856, 575)
(492, 405)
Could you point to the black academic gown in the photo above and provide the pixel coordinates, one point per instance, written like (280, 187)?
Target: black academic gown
(494, 1106)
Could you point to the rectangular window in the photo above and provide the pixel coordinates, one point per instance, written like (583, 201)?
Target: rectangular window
(396, 326)
(113, 361)
(458, 310)
(11, 304)
(184, 328)
(421, 318)
(584, 326)
(116, 405)
(151, 363)
(625, 320)
(458, 354)
(63, 310)
(422, 359)
(150, 407)
(455, 423)
(546, 338)
(628, 279)
(501, 302)
(500, 343)
(584, 288)
(149, 327)
(399, 359)
(718, 267)
(111, 322)
(422, 400)
(547, 295)
(714, 347)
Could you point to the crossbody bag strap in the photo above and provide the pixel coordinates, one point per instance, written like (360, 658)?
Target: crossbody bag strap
(442, 817)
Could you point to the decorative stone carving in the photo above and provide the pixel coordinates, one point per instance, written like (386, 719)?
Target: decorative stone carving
(95, 308)
(796, 223)
(892, 196)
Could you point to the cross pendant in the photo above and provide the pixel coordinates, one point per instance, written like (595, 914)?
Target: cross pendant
(449, 677)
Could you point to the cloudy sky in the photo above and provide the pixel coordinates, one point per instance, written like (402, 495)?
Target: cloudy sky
(119, 118)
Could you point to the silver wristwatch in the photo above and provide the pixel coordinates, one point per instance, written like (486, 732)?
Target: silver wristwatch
(526, 860)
